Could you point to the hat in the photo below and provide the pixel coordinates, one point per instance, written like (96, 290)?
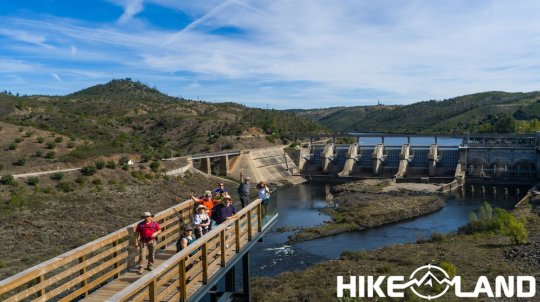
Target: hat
(247, 178)
(208, 192)
(201, 207)
(188, 228)
(226, 197)
(147, 214)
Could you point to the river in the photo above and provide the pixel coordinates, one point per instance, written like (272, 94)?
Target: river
(299, 206)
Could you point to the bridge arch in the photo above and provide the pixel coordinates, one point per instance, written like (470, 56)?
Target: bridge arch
(477, 162)
(523, 164)
(499, 162)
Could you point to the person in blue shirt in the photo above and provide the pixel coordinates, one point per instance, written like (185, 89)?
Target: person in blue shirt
(225, 210)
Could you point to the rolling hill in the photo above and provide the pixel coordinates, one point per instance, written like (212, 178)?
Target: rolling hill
(126, 116)
(474, 113)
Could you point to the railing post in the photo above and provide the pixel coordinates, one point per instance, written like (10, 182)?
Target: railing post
(205, 263)
(249, 225)
(115, 254)
(182, 284)
(152, 291)
(222, 246)
(237, 234)
(39, 280)
(84, 282)
(259, 217)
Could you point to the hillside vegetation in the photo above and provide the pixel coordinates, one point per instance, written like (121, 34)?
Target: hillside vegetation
(481, 112)
(125, 116)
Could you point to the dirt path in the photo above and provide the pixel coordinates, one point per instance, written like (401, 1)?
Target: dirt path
(44, 173)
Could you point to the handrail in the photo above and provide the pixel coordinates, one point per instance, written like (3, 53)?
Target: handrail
(86, 267)
(170, 280)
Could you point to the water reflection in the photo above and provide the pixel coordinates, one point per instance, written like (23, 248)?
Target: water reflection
(299, 207)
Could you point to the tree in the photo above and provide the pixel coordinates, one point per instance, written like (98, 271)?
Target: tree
(504, 123)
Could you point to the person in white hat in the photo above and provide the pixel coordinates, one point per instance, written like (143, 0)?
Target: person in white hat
(147, 231)
(201, 221)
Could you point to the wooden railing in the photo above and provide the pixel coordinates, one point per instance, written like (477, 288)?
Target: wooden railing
(81, 270)
(182, 275)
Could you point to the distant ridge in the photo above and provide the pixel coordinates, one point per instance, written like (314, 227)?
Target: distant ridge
(474, 113)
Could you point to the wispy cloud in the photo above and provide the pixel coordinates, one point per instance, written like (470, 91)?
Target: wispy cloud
(56, 77)
(131, 9)
(317, 54)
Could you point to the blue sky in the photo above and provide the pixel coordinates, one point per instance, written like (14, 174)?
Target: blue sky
(279, 53)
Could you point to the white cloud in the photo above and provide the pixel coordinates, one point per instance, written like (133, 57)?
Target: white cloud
(56, 77)
(347, 51)
(131, 9)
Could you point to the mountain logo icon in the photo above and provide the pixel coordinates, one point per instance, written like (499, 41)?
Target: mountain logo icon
(429, 278)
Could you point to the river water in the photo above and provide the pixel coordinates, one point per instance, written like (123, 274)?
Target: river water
(299, 206)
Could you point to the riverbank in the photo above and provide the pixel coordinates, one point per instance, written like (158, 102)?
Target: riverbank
(369, 203)
(481, 254)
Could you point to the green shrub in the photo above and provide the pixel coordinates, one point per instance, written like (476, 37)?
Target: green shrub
(1, 166)
(38, 153)
(88, 170)
(154, 166)
(353, 255)
(21, 161)
(125, 167)
(436, 236)
(29, 133)
(21, 129)
(32, 181)
(80, 180)
(12, 146)
(18, 140)
(70, 145)
(100, 164)
(111, 164)
(59, 139)
(7, 180)
(57, 176)
(51, 145)
(40, 140)
(66, 186)
(50, 155)
(498, 221)
(124, 160)
(449, 267)
(97, 181)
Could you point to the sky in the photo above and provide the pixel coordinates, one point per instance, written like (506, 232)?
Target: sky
(277, 54)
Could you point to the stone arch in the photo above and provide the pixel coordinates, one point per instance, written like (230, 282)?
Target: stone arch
(477, 162)
(500, 162)
(523, 164)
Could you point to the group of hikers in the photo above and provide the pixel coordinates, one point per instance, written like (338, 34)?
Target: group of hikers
(211, 209)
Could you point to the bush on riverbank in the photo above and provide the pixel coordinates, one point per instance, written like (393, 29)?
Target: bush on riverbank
(496, 221)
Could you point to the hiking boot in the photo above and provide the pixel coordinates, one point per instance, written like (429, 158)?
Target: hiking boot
(149, 268)
(140, 271)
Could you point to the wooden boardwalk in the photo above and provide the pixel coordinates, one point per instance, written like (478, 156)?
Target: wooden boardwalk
(132, 275)
(128, 277)
(98, 271)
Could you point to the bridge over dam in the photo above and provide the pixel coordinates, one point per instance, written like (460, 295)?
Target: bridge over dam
(478, 158)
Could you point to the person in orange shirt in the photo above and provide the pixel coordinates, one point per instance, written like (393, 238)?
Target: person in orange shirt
(207, 201)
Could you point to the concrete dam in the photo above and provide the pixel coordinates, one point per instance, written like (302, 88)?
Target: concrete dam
(510, 159)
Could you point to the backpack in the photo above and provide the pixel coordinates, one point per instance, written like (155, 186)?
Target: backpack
(153, 226)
